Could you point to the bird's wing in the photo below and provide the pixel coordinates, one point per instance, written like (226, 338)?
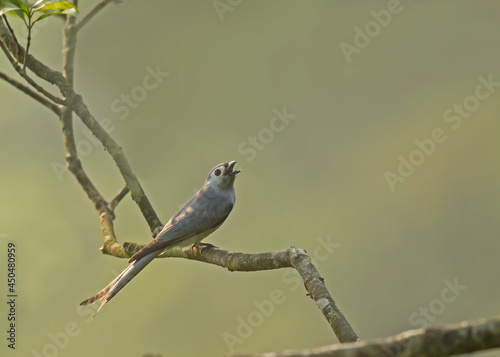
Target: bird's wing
(194, 218)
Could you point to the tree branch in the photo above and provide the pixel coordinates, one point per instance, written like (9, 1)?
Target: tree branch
(75, 102)
(23, 73)
(448, 340)
(289, 258)
(106, 215)
(10, 29)
(138, 195)
(74, 164)
(38, 68)
(69, 48)
(44, 101)
(119, 196)
(104, 210)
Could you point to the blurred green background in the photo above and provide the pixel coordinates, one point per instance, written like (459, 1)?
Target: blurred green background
(320, 178)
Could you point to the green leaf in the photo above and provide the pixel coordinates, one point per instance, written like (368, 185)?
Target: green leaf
(59, 5)
(9, 3)
(13, 5)
(47, 15)
(41, 3)
(4, 10)
(38, 3)
(21, 14)
(72, 12)
(23, 4)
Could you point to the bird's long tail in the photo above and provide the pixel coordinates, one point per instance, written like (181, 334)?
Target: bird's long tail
(120, 281)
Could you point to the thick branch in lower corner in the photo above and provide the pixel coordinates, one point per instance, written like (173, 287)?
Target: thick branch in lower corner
(448, 340)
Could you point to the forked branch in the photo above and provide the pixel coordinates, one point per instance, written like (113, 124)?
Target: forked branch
(76, 104)
(289, 258)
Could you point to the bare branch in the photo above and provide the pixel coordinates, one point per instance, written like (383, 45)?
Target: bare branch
(119, 196)
(75, 102)
(44, 101)
(40, 69)
(106, 215)
(138, 195)
(448, 340)
(101, 5)
(74, 164)
(105, 212)
(289, 258)
(69, 48)
(10, 29)
(23, 73)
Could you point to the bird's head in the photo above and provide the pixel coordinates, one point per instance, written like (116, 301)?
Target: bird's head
(222, 175)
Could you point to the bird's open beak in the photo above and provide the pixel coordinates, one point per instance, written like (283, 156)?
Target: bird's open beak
(230, 167)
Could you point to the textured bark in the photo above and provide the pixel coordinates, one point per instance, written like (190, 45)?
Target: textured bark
(291, 257)
(448, 340)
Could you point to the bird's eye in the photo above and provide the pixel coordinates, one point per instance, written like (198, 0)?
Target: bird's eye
(217, 172)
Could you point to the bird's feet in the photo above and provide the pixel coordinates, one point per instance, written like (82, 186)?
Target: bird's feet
(205, 245)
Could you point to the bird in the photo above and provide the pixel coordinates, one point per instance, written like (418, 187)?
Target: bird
(196, 219)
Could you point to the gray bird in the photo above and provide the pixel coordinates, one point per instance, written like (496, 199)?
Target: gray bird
(200, 216)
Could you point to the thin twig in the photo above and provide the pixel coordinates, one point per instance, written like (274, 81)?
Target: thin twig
(38, 68)
(74, 164)
(69, 48)
(106, 216)
(10, 29)
(47, 103)
(101, 5)
(23, 74)
(138, 195)
(104, 210)
(75, 102)
(28, 42)
(119, 196)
